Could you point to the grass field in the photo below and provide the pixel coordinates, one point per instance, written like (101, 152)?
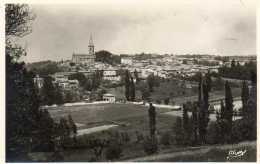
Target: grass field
(134, 117)
(214, 153)
(100, 114)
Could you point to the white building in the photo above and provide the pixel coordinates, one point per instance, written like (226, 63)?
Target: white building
(109, 98)
(111, 75)
(38, 81)
(127, 60)
(68, 84)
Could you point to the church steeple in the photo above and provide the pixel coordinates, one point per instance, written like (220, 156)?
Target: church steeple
(91, 50)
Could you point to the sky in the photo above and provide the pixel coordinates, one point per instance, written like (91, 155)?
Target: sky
(217, 27)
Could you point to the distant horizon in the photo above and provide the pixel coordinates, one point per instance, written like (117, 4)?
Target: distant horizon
(58, 60)
(173, 27)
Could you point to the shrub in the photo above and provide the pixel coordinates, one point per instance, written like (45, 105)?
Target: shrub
(114, 151)
(150, 145)
(166, 139)
(158, 101)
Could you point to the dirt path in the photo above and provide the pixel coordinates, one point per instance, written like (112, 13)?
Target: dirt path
(95, 129)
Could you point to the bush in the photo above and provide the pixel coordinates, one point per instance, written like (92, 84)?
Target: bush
(139, 137)
(158, 101)
(166, 101)
(114, 151)
(166, 139)
(150, 145)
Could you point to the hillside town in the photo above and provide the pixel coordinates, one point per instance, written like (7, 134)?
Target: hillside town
(125, 94)
(164, 66)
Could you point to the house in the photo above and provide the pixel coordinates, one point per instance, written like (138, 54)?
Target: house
(127, 60)
(38, 81)
(111, 74)
(109, 98)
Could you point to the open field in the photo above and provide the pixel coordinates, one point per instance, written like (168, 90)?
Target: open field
(101, 114)
(130, 118)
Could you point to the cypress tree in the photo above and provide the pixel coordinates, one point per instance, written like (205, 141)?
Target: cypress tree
(132, 89)
(228, 114)
(195, 124)
(244, 97)
(136, 76)
(152, 126)
(127, 85)
(48, 91)
(203, 109)
(152, 120)
(186, 125)
(178, 130)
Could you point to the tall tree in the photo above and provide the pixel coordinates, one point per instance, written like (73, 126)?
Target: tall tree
(151, 82)
(136, 76)
(244, 97)
(233, 63)
(203, 109)
(195, 124)
(152, 120)
(152, 125)
(228, 114)
(186, 125)
(127, 85)
(178, 130)
(59, 98)
(73, 127)
(48, 91)
(23, 117)
(132, 89)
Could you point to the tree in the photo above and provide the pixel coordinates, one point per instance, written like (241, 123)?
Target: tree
(78, 76)
(97, 145)
(244, 97)
(151, 82)
(228, 112)
(195, 124)
(166, 139)
(48, 91)
(186, 126)
(233, 63)
(152, 120)
(127, 85)
(152, 126)
(114, 149)
(178, 131)
(43, 139)
(23, 116)
(64, 132)
(208, 81)
(136, 76)
(17, 20)
(132, 89)
(59, 98)
(150, 145)
(166, 101)
(73, 127)
(203, 114)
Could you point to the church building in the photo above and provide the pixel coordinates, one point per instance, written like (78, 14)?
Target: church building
(85, 59)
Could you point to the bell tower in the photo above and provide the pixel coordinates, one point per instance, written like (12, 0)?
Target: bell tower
(91, 50)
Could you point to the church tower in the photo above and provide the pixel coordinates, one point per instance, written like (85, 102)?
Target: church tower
(91, 50)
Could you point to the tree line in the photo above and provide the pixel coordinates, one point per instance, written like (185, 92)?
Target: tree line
(28, 127)
(197, 129)
(238, 71)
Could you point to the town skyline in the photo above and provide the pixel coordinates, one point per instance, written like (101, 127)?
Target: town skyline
(133, 28)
